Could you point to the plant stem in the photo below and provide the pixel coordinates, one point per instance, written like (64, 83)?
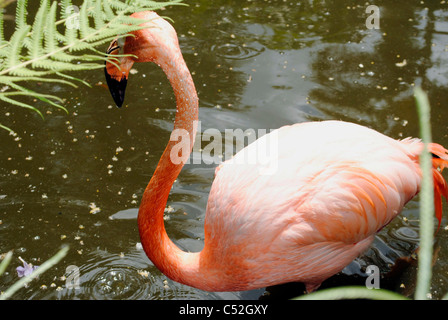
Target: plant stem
(42, 268)
(352, 293)
(424, 272)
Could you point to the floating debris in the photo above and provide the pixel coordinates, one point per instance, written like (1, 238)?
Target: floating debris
(93, 208)
(143, 273)
(169, 209)
(401, 64)
(26, 270)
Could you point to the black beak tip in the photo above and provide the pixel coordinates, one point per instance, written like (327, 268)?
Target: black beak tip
(117, 88)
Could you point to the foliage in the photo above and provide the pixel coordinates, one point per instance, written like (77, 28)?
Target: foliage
(54, 45)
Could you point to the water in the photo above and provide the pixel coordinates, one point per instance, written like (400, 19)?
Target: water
(77, 179)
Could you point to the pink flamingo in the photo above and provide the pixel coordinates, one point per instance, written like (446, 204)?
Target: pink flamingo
(336, 186)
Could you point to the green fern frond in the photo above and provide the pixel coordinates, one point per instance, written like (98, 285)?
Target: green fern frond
(20, 104)
(14, 51)
(8, 80)
(38, 30)
(21, 14)
(2, 36)
(60, 39)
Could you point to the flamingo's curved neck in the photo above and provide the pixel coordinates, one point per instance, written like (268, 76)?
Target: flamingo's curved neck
(175, 263)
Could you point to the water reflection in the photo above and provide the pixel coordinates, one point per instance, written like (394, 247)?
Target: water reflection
(258, 65)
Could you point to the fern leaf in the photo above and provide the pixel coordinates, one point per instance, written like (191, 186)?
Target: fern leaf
(2, 35)
(38, 30)
(25, 72)
(73, 79)
(21, 14)
(9, 80)
(84, 27)
(53, 65)
(71, 24)
(62, 38)
(116, 4)
(20, 104)
(66, 8)
(15, 46)
(98, 16)
(50, 36)
(108, 11)
(43, 97)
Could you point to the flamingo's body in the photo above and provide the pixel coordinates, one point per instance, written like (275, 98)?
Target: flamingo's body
(335, 185)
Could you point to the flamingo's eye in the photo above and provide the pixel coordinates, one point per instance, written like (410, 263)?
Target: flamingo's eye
(112, 48)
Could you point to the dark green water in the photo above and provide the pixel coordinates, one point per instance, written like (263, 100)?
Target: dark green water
(77, 179)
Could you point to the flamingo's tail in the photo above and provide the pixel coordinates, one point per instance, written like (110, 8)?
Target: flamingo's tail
(439, 162)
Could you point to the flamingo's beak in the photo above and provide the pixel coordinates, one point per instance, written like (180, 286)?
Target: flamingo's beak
(117, 88)
(116, 80)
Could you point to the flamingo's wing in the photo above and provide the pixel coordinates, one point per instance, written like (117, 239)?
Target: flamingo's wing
(321, 195)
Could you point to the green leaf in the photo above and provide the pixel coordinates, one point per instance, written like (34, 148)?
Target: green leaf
(15, 46)
(20, 104)
(62, 39)
(21, 14)
(352, 293)
(38, 30)
(2, 36)
(50, 37)
(424, 271)
(7, 259)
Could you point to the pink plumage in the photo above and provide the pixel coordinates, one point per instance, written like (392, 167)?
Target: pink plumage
(298, 204)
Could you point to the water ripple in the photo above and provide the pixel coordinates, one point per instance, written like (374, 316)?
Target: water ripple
(119, 282)
(236, 51)
(108, 276)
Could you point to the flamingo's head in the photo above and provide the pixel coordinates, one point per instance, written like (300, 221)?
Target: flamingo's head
(155, 42)
(117, 71)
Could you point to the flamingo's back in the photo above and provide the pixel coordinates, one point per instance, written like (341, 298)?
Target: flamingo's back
(335, 186)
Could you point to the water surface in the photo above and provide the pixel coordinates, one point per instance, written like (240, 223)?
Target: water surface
(77, 179)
